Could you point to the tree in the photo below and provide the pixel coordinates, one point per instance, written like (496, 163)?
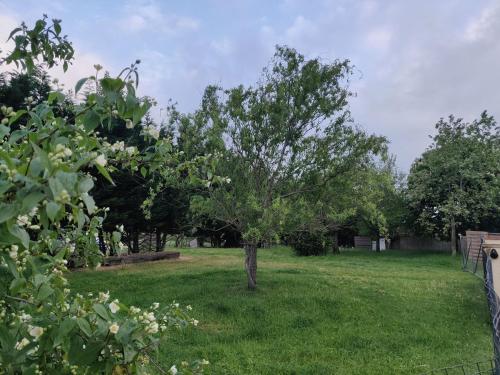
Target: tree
(283, 137)
(455, 184)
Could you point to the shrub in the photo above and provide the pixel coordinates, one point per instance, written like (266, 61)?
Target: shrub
(306, 243)
(47, 214)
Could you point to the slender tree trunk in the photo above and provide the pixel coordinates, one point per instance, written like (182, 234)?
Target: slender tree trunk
(335, 242)
(102, 244)
(251, 265)
(129, 242)
(377, 244)
(453, 230)
(158, 240)
(135, 241)
(163, 240)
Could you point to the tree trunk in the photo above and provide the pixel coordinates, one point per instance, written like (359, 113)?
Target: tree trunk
(102, 243)
(158, 240)
(129, 242)
(453, 229)
(335, 242)
(377, 244)
(251, 265)
(163, 240)
(135, 241)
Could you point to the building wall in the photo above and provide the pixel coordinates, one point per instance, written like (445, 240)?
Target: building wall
(420, 243)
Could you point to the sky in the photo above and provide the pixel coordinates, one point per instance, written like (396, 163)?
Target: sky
(415, 60)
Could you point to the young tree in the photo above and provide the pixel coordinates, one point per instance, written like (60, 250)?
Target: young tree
(283, 137)
(455, 184)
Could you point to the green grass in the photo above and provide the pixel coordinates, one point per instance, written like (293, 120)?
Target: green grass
(355, 313)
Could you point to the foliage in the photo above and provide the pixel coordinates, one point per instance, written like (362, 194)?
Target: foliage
(455, 184)
(283, 137)
(308, 243)
(47, 169)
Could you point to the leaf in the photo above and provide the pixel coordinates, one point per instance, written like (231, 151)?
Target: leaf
(125, 331)
(18, 115)
(4, 130)
(55, 96)
(17, 284)
(52, 209)
(111, 84)
(65, 328)
(84, 326)
(31, 200)
(7, 211)
(91, 120)
(144, 172)
(21, 234)
(89, 203)
(104, 172)
(101, 311)
(85, 185)
(13, 32)
(79, 85)
(44, 291)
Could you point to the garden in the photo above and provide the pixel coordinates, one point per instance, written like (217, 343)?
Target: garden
(277, 177)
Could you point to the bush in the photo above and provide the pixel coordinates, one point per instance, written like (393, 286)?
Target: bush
(308, 243)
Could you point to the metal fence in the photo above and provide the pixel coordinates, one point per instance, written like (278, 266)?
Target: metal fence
(476, 368)
(481, 266)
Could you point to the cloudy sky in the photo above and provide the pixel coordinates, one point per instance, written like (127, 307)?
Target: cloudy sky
(416, 61)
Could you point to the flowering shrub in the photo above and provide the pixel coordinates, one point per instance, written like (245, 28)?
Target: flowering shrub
(47, 215)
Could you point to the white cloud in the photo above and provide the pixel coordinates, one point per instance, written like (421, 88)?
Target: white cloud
(479, 26)
(149, 16)
(379, 38)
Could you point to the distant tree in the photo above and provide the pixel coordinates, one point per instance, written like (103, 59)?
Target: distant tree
(382, 210)
(17, 90)
(292, 126)
(455, 184)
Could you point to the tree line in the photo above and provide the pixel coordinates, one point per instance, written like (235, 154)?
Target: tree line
(294, 166)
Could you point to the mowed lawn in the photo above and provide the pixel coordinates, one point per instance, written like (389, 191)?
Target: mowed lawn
(355, 313)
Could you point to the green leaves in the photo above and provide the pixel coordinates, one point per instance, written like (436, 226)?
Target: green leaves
(7, 211)
(101, 311)
(52, 210)
(80, 84)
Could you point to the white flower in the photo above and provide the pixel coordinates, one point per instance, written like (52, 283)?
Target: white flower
(25, 317)
(173, 370)
(195, 322)
(131, 150)
(113, 306)
(204, 362)
(103, 297)
(135, 310)
(36, 332)
(101, 160)
(13, 254)
(152, 328)
(189, 308)
(118, 146)
(21, 344)
(151, 317)
(23, 220)
(113, 328)
(153, 132)
(129, 124)
(156, 305)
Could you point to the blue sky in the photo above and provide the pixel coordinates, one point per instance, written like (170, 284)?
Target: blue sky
(416, 61)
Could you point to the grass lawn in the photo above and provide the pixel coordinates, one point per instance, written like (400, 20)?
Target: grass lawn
(355, 313)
